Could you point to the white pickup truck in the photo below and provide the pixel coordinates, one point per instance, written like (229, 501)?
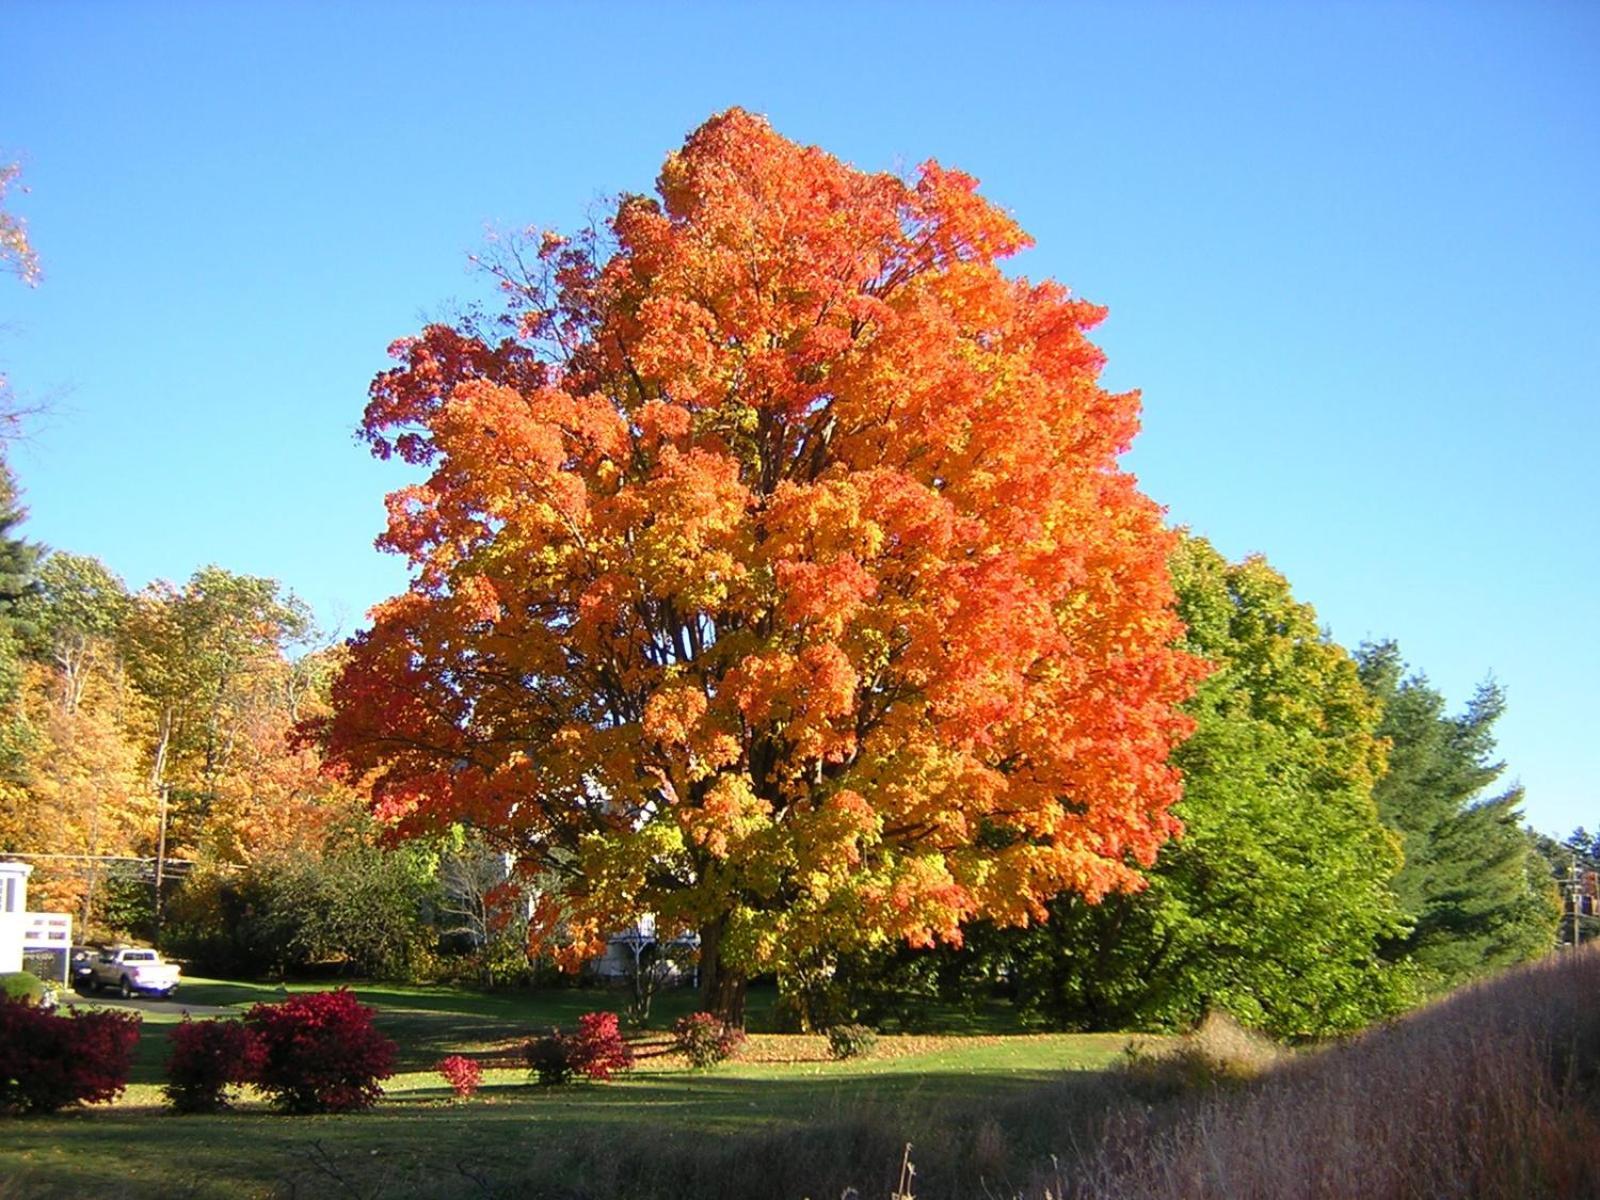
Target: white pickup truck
(130, 971)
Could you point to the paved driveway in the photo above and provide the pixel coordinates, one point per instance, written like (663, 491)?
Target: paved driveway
(174, 1007)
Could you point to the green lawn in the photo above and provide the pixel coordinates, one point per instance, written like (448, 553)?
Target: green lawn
(420, 1142)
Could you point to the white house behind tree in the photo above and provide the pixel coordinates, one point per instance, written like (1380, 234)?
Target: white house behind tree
(24, 933)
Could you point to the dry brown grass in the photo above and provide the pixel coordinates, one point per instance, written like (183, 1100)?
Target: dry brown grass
(1490, 1093)
(1220, 1053)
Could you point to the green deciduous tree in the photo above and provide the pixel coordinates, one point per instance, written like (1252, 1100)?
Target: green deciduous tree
(1275, 901)
(1475, 890)
(71, 619)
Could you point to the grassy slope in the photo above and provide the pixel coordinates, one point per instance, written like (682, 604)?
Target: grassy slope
(418, 1141)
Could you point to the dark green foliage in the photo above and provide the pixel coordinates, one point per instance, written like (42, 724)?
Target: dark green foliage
(550, 1058)
(16, 733)
(125, 904)
(904, 990)
(18, 557)
(1474, 887)
(1580, 850)
(360, 907)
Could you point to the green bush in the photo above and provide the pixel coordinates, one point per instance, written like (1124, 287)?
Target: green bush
(359, 907)
(23, 986)
(851, 1041)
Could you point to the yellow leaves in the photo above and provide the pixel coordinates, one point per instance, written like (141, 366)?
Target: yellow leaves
(686, 529)
(729, 815)
(837, 835)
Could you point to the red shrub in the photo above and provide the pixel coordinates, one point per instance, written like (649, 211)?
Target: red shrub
(461, 1073)
(48, 1062)
(704, 1040)
(597, 1049)
(320, 1052)
(207, 1058)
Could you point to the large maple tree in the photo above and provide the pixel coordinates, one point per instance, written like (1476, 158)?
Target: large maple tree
(773, 573)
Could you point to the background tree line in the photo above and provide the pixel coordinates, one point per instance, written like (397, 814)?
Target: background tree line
(161, 722)
(1347, 850)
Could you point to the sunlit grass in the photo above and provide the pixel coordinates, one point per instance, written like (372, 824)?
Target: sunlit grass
(780, 1083)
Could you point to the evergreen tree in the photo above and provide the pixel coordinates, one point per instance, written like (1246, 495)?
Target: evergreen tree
(18, 557)
(1474, 886)
(17, 561)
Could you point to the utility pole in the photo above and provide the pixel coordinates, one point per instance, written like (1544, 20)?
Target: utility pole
(161, 858)
(1575, 894)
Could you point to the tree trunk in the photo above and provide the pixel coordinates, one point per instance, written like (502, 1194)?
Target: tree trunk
(721, 988)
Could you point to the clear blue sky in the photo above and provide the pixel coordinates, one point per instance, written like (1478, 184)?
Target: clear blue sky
(1351, 253)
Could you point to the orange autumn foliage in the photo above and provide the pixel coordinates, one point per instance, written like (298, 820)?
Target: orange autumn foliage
(774, 572)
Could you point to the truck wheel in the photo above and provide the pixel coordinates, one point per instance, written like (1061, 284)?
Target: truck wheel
(127, 989)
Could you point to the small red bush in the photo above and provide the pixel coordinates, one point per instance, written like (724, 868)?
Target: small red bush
(207, 1058)
(48, 1062)
(320, 1052)
(598, 1050)
(461, 1073)
(704, 1040)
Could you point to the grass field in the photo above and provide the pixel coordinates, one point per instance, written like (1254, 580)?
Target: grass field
(560, 1141)
(1492, 1092)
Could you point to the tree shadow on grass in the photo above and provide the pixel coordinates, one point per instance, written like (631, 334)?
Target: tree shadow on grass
(655, 1136)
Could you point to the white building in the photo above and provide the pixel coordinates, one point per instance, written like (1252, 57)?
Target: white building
(23, 932)
(637, 948)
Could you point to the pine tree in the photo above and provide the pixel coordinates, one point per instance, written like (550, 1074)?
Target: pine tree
(18, 557)
(1476, 889)
(17, 561)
